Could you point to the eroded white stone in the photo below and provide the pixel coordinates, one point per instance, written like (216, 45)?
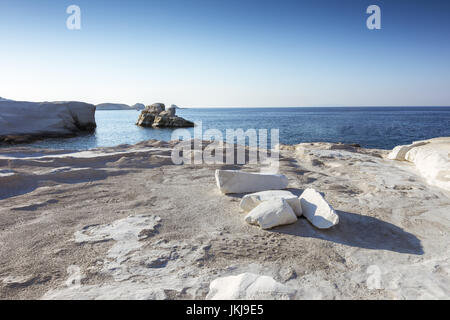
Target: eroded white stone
(431, 158)
(251, 201)
(234, 181)
(317, 210)
(399, 152)
(433, 162)
(248, 286)
(270, 214)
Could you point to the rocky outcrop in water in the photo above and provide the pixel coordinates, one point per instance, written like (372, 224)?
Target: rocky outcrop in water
(156, 116)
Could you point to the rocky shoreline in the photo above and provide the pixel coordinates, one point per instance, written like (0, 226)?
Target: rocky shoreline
(129, 224)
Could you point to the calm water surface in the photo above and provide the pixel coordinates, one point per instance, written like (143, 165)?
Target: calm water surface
(372, 127)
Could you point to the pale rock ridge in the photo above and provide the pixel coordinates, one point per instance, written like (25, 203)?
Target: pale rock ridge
(399, 152)
(430, 157)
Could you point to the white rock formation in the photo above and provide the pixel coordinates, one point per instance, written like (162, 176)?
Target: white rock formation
(248, 286)
(234, 181)
(317, 210)
(251, 201)
(270, 214)
(46, 118)
(431, 158)
(399, 152)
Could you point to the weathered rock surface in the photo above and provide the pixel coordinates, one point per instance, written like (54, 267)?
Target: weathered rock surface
(248, 286)
(251, 201)
(156, 108)
(392, 224)
(270, 214)
(235, 181)
(399, 152)
(157, 116)
(317, 210)
(136, 266)
(172, 110)
(24, 121)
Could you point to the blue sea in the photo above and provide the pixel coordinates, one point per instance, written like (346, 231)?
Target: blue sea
(371, 127)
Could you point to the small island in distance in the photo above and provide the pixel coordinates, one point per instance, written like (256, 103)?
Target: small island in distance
(120, 106)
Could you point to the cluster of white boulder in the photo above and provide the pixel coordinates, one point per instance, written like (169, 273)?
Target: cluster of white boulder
(268, 206)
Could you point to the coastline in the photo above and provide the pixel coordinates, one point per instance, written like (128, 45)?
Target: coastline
(391, 218)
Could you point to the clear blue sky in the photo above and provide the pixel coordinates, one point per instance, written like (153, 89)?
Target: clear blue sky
(227, 52)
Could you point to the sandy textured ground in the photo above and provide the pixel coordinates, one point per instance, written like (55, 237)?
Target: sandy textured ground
(61, 210)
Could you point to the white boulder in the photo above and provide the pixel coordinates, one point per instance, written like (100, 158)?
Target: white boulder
(251, 201)
(249, 286)
(234, 181)
(270, 214)
(317, 210)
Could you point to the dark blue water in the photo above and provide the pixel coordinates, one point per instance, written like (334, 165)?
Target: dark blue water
(380, 127)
